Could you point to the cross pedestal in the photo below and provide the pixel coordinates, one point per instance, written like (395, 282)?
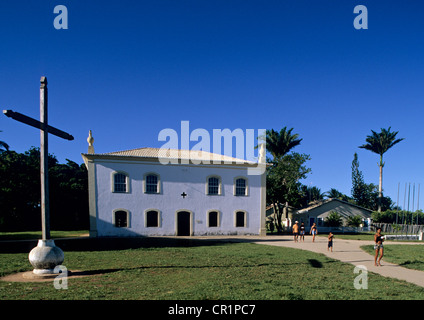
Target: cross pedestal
(45, 256)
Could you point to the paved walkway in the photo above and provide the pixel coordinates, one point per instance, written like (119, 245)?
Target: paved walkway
(349, 251)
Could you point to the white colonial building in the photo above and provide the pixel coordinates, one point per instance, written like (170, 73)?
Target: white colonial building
(132, 193)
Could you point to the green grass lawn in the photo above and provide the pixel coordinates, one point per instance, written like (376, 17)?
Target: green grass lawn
(408, 256)
(216, 271)
(362, 236)
(354, 236)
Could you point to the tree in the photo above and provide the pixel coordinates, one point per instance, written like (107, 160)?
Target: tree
(375, 201)
(20, 190)
(354, 221)
(3, 145)
(380, 143)
(69, 185)
(283, 176)
(20, 193)
(359, 188)
(364, 194)
(280, 143)
(333, 219)
(398, 217)
(336, 194)
(310, 194)
(283, 184)
(314, 193)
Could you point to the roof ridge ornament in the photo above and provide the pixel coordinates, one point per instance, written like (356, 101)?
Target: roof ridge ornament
(90, 141)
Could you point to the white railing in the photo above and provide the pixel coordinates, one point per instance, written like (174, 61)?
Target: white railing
(403, 236)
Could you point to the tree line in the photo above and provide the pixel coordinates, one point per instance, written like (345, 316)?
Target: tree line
(20, 192)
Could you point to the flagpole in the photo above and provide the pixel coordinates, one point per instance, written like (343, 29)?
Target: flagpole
(397, 204)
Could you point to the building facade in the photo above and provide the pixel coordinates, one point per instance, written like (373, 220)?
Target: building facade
(133, 193)
(317, 213)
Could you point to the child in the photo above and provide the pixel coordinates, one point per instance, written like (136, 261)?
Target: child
(302, 232)
(330, 241)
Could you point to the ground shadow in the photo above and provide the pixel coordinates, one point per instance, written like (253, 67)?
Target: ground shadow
(112, 243)
(315, 263)
(124, 243)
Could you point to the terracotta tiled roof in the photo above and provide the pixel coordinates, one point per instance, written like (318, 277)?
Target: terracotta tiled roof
(157, 153)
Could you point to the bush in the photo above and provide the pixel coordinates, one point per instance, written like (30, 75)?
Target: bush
(403, 217)
(333, 220)
(355, 221)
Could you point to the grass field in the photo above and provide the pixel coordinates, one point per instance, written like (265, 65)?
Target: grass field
(408, 256)
(217, 271)
(362, 236)
(354, 236)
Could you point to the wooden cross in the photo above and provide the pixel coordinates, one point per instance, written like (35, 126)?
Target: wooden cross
(45, 129)
(183, 195)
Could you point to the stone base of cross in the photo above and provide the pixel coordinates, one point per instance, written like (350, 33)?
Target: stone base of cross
(45, 257)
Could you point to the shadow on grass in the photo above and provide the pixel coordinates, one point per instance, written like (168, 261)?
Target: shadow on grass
(112, 243)
(409, 262)
(122, 243)
(315, 263)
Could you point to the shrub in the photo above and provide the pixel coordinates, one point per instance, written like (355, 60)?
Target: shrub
(403, 217)
(334, 219)
(355, 221)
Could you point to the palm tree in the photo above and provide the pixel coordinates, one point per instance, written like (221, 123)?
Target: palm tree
(334, 219)
(336, 194)
(379, 143)
(311, 194)
(280, 143)
(3, 145)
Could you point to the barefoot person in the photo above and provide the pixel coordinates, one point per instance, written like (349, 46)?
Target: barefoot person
(302, 232)
(330, 241)
(295, 231)
(378, 247)
(313, 231)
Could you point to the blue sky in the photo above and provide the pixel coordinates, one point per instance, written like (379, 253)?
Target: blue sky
(128, 69)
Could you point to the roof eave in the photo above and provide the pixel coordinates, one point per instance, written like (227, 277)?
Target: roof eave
(91, 157)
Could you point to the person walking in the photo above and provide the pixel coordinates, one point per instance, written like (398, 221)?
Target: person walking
(313, 231)
(302, 232)
(295, 231)
(330, 241)
(378, 247)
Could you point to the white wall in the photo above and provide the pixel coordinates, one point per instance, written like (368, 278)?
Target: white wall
(175, 179)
